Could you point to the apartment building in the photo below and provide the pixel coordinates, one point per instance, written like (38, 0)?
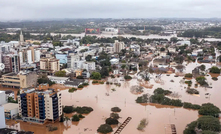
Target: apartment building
(118, 46)
(29, 55)
(50, 64)
(11, 62)
(89, 66)
(40, 105)
(23, 79)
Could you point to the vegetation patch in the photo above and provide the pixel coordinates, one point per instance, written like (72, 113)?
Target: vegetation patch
(189, 83)
(83, 110)
(192, 91)
(80, 86)
(189, 75)
(209, 109)
(114, 116)
(127, 77)
(215, 70)
(95, 81)
(75, 118)
(105, 128)
(71, 90)
(208, 125)
(142, 125)
(68, 109)
(111, 121)
(202, 81)
(191, 106)
(215, 78)
(115, 109)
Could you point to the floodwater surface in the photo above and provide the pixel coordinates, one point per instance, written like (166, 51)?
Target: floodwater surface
(102, 98)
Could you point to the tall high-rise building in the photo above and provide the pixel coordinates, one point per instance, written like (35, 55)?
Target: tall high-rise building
(118, 46)
(40, 105)
(12, 62)
(21, 38)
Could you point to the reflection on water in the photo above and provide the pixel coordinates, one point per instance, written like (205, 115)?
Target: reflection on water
(158, 116)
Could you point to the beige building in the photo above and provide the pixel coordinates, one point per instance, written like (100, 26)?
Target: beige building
(40, 105)
(118, 46)
(21, 80)
(50, 64)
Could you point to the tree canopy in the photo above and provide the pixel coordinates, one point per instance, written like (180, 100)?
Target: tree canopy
(209, 109)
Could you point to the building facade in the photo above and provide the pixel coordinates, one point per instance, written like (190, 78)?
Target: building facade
(40, 105)
(11, 62)
(118, 46)
(50, 64)
(19, 80)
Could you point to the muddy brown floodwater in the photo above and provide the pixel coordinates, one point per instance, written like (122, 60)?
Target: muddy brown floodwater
(158, 116)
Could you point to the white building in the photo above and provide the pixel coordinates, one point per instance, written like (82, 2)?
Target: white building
(71, 59)
(110, 31)
(49, 114)
(77, 64)
(172, 49)
(2, 117)
(11, 110)
(135, 49)
(3, 98)
(37, 55)
(89, 66)
(58, 80)
(114, 61)
(29, 57)
(118, 46)
(182, 43)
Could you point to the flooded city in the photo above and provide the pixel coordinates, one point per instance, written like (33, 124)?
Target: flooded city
(102, 98)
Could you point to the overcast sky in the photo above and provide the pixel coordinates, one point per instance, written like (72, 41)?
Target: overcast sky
(47, 9)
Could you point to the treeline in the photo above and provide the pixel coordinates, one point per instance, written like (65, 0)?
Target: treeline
(94, 39)
(159, 97)
(211, 31)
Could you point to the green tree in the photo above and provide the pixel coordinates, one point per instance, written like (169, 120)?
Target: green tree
(209, 123)
(104, 72)
(60, 74)
(88, 58)
(96, 75)
(105, 128)
(111, 121)
(215, 70)
(115, 109)
(162, 49)
(209, 109)
(123, 66)
(173, 39)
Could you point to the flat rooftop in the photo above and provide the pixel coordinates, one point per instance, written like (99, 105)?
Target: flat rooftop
(10, 106)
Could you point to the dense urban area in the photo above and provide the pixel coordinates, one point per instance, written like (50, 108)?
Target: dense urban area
(110, 76)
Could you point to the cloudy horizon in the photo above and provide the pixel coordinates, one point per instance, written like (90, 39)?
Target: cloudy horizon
(60, 9)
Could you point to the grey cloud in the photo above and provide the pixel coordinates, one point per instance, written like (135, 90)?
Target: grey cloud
(43, 9)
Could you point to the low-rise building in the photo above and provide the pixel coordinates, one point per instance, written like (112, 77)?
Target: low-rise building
(3, 98)
(58, 80)
(11, 110)
(135, 49)
(74, 83)
(23, 79)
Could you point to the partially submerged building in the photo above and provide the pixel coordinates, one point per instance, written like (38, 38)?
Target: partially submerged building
(40, 106)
